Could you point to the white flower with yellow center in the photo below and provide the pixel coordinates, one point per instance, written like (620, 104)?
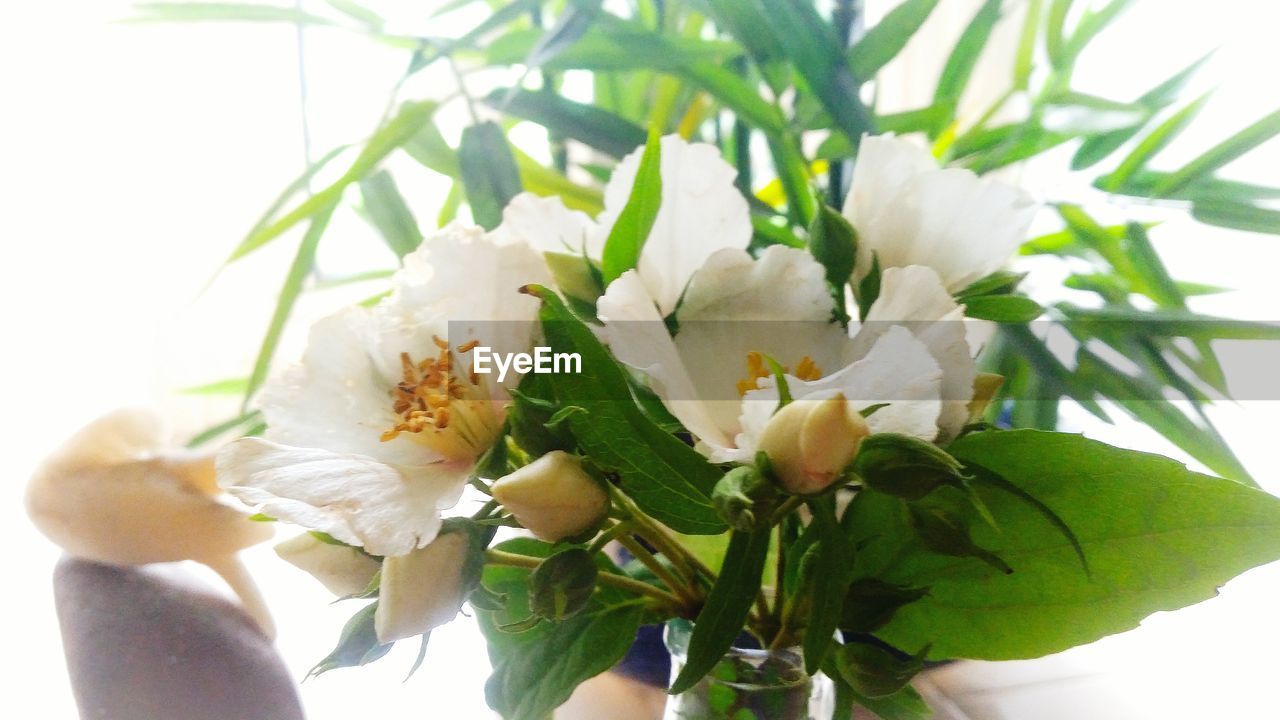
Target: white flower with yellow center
(702, 211)
(379, 427)
(910, 355)
(908, 211)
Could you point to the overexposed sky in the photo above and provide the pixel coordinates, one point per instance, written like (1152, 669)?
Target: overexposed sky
(133, 158)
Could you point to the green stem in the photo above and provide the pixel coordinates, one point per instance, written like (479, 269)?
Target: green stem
(655, 566)
(502, 557)
(785, 508)
(608, 535)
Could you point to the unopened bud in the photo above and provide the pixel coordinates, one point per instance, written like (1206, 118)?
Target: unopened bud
(874, 671)
(946, 534)
(811, 442)
(905, 466)
(745, 499)
(870, 604)
(342, 569)
(562, 584)
(553, 497)
(423, 589)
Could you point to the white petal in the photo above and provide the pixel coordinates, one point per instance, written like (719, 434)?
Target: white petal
(702, 211)
(898, 370)
(388, 510)
(915, 297)
(421, 590)
(546, 225)
(777, 305)
(639, 339)
(909, 212)
(342, 570)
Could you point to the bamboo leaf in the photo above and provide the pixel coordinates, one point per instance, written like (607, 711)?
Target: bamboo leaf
(390, 214)
(1153, 143)
(964, 56)
(489, 172)
(883, 42)
(1221, 154)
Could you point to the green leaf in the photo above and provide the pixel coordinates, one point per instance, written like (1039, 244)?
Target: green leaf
(831, 574)
(1024, 60)
(244, 422)
(396, 132)
(356, 11)
(631, 230)
(964, 56)
(1170, 323)
(749, 24)
(489, 172)
(358, 645)
(1002, 308)
(1221, 154)
(665, 477)
(229, 386)
(724, 613)
(389, 213)
(303, 263)
(217, 11)
(1169, 538)
(535, 671)
(609, 133)
(1153, 143)
(547, 182)
(1237, 216)
(882, 43)
(569, 27)
(834, 244)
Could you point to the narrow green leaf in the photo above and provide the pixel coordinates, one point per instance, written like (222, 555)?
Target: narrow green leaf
(542, 180)
(882, 43)
(627, 238)
(1171, 537)
(356, 11)
(1055, 34)
(1153, 143)
(406, 123)
(1024, 60)
(964, 56)
(1002, 308)
(747, 22)
(793, 174)
(1221, 154)
(725, 612)
(389, 213)
(229, 386)
(832, 572)
(1237, 216)
(489, 172)
(569, 27)
(358, 645)
(665, 477)
(303, 263)
(588, 124)
(219, 11)
(215, 431)
(1172, 323)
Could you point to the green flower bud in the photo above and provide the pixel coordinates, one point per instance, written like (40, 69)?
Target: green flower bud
(553, 497)
(811, 442)
(562, 584)
(875, 672)
(870, 604)
(944, 533)
(745, 499)
(905, 466)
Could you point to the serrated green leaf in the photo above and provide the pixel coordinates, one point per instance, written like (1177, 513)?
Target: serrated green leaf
(489, 172)
(1002, 308)
(627, 237)
(724, 613)
(1169, 539)
(535, 671)
(665, 477)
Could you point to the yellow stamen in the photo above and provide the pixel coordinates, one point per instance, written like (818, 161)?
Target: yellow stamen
(757, 368)
(449, 414)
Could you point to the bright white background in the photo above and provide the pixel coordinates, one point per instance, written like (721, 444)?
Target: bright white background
(133, 158)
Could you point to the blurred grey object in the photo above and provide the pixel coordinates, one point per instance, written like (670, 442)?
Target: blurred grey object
(154, 643)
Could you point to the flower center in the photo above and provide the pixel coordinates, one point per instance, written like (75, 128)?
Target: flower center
(757, 368)
(449, 414)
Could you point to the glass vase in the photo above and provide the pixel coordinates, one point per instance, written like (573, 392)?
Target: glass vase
(749, 684)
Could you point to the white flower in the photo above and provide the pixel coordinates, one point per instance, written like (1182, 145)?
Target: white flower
(379, 427)
(702, 211)
(713, 375)
(909, 212)
(117, 492)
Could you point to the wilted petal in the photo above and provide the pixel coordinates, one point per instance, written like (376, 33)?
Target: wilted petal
(388, 510)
